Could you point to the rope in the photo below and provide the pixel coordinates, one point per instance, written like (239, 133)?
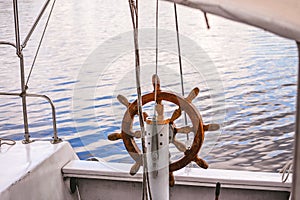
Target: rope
(134, 16)
(40, 43)
(286, 170)
(154, 142)
(8, 142)
(180, 63)
(154, 130)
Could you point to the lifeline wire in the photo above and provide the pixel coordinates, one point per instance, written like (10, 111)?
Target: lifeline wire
(154, 131)
(134, 17)
(40, 43)
(180, 62)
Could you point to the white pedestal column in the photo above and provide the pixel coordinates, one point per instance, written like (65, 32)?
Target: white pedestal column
(157, 141)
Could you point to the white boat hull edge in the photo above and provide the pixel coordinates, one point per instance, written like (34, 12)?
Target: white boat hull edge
(33, 171)
(101, 180)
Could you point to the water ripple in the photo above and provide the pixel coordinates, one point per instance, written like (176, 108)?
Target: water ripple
(257, 69)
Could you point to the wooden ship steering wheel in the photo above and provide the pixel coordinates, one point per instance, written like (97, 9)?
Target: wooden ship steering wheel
(184, 104)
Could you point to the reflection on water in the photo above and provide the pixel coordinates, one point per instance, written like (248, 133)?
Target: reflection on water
(256, 70)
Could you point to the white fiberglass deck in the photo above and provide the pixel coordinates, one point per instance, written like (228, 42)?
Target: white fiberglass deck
(41, 170)
(32, 171)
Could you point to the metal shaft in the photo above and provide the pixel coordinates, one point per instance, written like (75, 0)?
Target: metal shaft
(22, 71)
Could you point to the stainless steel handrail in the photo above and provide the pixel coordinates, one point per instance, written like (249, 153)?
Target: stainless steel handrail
(56, 139)
(19, 53)
(7, 43)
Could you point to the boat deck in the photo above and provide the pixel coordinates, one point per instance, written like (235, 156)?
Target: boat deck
(104, 178)
(41, 169)
(29, 171)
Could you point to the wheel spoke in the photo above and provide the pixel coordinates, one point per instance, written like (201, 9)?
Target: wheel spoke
(192, 95)
(135, 168)
(137, 134)
(184, 130)
(114, 136)
(171, 179)
(145, 115)
(176, 114)
(123, 100)
(211, 127)
(201, 163)
(179, 145)
(156, 82)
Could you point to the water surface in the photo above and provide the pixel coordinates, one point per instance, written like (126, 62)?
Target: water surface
(255, 69)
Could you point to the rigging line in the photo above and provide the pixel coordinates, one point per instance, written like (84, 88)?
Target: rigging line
(156, 60)
(134, 17)
(137, 13)
(146, 173)
(156, 39)
(154, 143)
(40, 43)
(180, 62)
(35, 24)
(154, 129)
